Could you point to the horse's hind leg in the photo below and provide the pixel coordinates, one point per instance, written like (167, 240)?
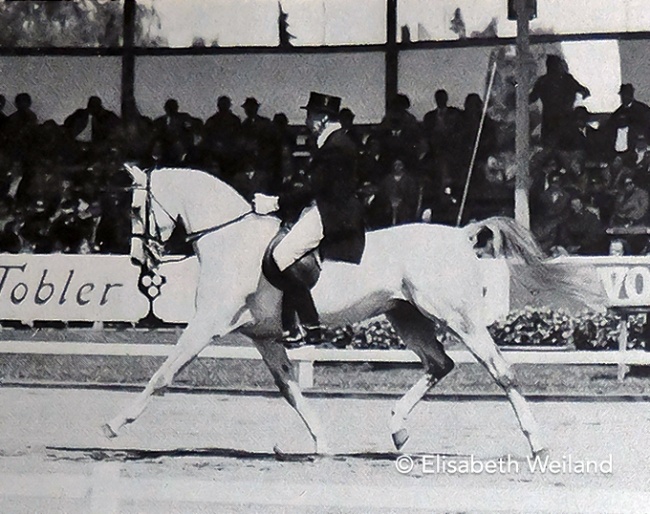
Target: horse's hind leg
(276, 359)
(462, 321)
(195, 338)
(482, 346)
(418, 333)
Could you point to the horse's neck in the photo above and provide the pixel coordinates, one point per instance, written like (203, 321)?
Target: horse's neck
(202, 201)
(245, 240)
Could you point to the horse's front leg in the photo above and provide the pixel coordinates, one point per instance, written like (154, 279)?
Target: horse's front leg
(276, 359)
(194, 339)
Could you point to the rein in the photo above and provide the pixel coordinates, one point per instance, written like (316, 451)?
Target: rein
(199, 234)
(148, 238)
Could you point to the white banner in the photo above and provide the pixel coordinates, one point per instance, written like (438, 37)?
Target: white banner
(105, 287)
(70, 288)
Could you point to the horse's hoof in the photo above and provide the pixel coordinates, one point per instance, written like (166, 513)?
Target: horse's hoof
(542, 454)
(108, 431)
(400, 437)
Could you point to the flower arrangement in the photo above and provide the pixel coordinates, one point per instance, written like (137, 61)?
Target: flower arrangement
(533, 327)
(593, 331)
(524, 327)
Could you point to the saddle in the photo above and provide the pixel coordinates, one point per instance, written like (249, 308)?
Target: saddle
(305, 270)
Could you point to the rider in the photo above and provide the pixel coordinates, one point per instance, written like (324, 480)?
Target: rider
(323, 213)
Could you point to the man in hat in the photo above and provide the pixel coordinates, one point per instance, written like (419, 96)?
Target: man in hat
(626, 123)
(259, 139)
(324, 213)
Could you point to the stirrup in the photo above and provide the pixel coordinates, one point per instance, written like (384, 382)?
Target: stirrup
(314, 335)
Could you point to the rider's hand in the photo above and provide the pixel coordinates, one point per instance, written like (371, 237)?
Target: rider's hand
(265, 204)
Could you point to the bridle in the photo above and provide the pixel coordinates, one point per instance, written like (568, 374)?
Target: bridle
(151, 238)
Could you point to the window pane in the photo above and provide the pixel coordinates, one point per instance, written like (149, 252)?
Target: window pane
(82, 23)
(447, 19)
(257, 22)
(281, 83)
(70, 81)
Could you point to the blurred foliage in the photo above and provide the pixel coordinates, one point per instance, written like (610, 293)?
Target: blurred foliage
(73, 23)
(524, 327)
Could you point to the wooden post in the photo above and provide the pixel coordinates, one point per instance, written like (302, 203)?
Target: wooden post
(522, 118)
(622, 346)
(306, 374)
(128, 57)
(391, 55)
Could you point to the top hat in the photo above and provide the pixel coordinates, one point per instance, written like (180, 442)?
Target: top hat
(320, 103)
(626, 88)
(250, 101)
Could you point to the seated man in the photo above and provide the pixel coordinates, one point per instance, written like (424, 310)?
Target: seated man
(631, 207)
(323, 213)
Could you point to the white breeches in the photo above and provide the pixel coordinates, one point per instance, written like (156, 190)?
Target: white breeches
(303, 237)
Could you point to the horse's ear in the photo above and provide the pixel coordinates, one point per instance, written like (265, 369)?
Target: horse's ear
(139, 176)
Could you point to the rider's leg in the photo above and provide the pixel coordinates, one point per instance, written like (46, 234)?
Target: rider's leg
(303, 238)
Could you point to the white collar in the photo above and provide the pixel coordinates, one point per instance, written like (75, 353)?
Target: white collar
(327, 131)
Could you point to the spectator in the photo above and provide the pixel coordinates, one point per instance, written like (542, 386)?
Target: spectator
(93, 127)
(222, 132)
(469, 126)
(553, 212)
(441, 126)
(259, 139)
(397, 199)
(286, 145)
(578, 143)
(21, 127)
(631, 207)
(399, 130)
(173, 133)
(627, 122)
(557, 90)
(73, 227)
(582, 233)
(10, 240)
(618, 248)
(346, 118)
(136, 136)
(53, 143)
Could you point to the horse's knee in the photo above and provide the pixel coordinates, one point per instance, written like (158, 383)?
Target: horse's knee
(440, 368)
(444, 368)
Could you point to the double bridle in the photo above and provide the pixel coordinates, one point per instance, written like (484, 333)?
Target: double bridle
(151, 237)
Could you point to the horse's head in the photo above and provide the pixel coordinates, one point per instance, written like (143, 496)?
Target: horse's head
(151, 222)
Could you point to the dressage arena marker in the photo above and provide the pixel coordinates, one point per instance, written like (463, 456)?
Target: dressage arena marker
(305, 357)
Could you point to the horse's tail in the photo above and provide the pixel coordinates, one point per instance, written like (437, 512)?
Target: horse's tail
(509, 238)
(535, 281)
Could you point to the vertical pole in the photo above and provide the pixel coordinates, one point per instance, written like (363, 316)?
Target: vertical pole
(622, 347)
(128, 57)
(391, 56)
(522, 141)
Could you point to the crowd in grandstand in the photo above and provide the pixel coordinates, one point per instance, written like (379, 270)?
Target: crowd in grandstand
(62, 187)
